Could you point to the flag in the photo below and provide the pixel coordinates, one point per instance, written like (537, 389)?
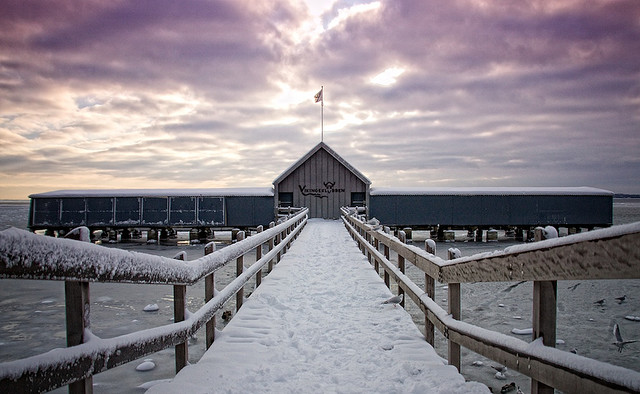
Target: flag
(318, 96)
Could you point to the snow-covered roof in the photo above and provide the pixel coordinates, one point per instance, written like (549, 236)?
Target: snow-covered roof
(214, 192)
(489, 191)
(330, 151)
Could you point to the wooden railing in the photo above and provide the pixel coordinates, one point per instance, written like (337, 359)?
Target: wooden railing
(24, 255)
(612, 253)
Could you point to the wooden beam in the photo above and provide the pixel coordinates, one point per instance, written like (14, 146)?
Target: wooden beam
(77, 311)
(179, 314)
(209, 290)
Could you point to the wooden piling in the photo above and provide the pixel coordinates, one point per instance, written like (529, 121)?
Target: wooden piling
(209, 290)
(430, 289)
(387, 280)
(77, 310)
(258, 257)
(239, 270)
(545, 294)
(402, 236)
(271, 225)
(179, 314)
(455, 312)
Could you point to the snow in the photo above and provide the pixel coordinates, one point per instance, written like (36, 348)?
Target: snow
(611, 232)
(488, 191)
(213, 192)
(151, 308)
(316, 324)
(145, 366)
(58, 258)
(522, 331)
(315, 309)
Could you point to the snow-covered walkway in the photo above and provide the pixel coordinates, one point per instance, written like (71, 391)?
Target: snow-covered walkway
(317, 324)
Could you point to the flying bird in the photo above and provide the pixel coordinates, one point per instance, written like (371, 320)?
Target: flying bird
(572, 288)
(619, 341)
(395, 300)
(599, 302)
(621, 299)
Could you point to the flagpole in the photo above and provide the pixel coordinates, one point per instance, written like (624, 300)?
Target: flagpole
(322, 115)
(320, 97)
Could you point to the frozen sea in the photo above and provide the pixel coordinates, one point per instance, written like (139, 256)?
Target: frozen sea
(32, 312)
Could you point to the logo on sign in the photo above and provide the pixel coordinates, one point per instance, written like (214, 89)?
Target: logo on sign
(321, 192)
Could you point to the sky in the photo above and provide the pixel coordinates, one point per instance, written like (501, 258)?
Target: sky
(198, 94)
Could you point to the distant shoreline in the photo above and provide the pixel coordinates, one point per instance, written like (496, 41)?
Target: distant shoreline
(626, 195)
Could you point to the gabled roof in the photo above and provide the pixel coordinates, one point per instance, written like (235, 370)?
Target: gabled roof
(330, 151)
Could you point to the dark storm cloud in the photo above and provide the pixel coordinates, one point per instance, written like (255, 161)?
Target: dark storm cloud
(529, 93)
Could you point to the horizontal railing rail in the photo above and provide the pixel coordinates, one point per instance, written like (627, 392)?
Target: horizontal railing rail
(25, 255)
(41, 257)
(544, 364)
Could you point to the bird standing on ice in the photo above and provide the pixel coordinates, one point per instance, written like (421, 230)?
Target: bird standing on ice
(395, 300)
(619, 341)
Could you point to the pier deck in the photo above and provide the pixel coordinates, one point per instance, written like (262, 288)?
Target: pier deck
(317, 324)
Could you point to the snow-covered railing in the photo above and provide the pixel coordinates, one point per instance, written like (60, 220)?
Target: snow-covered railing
(29, 256)
(611, 253)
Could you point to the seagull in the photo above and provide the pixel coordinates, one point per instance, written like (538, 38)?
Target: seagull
(507, 388)
(621, 299)
(572, 288)
(395, 300)
(499, 368)
(600, 302)
(619, 341)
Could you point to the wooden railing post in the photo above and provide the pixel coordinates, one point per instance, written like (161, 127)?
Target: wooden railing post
(368, 252)
(77, 310)
(209, 290)
(258, 257)
(454, 311)
(271, 225)
(430, 289)
(376, 265)
(239, 270)
(386, 274)
(278, 238)
(402, 236)
(545, 294)
(179, 314)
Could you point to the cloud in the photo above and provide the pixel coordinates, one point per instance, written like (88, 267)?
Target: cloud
(220, 93)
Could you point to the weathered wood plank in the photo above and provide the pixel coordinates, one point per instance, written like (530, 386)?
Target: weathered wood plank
(239, 270)
(539, 364)
(77, 310)
(45, 374)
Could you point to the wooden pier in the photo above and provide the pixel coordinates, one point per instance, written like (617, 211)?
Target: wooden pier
(601, 254)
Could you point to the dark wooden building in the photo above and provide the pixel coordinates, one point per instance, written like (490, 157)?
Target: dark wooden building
(322, 181)
(151, 208)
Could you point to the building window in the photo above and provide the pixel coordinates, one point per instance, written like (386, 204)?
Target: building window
(285, 199)
(358, 199)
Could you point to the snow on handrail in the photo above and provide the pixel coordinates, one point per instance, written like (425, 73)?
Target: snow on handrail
(97, 354)
(597, 254)
(564, 370)
(31, 256)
